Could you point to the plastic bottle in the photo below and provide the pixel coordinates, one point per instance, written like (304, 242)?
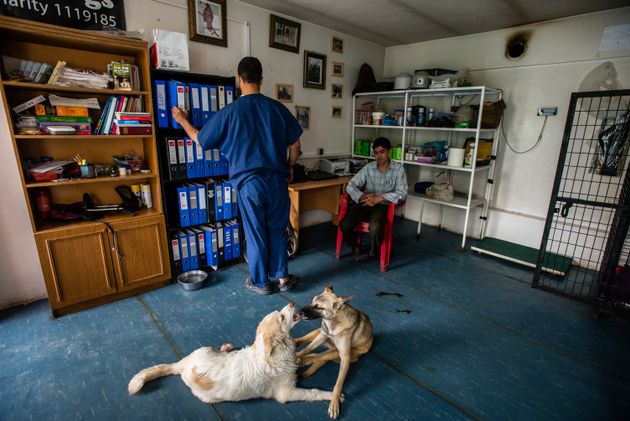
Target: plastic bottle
(430, 116)
(468, 159)
(43, 203)
(410, 121)
(420, 117)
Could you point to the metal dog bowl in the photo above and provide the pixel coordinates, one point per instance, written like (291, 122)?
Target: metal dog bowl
(192, 280)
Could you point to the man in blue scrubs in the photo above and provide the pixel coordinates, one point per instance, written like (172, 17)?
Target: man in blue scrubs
(254, 133)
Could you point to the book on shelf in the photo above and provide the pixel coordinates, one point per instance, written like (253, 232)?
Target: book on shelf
(63, 119)
(120, 110)
(133, 129)
(28, 104)
(80, 128)
(56, 72)
(126, 76)
(25, 70)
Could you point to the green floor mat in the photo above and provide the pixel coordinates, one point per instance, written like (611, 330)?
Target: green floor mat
(553, 263)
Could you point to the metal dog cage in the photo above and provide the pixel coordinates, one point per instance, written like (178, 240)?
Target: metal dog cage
(586, 232)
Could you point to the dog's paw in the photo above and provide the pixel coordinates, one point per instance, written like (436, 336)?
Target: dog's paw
(227, 347)
(333, 408)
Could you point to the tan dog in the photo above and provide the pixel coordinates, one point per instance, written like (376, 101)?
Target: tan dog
(345, 331)
(264, 370)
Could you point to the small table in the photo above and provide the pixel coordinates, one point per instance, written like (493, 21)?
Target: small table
(309, 195)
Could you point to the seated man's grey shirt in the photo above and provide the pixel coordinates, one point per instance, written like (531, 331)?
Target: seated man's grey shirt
(392, 184)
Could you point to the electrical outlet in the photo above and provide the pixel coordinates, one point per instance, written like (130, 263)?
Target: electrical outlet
(320, 151)
(547, 111)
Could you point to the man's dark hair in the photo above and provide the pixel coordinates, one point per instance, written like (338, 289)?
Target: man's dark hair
(382, 142)
(250, 70)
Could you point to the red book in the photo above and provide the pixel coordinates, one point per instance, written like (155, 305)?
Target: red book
(134, 129)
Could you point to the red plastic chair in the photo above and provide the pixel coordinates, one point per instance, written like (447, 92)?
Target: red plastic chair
(364, 228)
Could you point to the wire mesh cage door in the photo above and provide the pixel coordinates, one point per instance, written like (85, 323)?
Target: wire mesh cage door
(588, 217)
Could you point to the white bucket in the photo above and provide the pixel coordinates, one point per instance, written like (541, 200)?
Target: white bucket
(455, 157)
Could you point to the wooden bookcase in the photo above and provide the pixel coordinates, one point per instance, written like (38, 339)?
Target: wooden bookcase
(87, 263)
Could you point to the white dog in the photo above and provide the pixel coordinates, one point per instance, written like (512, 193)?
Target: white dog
(264, 370)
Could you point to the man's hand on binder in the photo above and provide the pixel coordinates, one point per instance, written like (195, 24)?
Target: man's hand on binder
(181, 117)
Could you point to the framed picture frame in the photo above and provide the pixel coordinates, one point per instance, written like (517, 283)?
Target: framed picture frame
(284, 92)
(335, 111)
(284, 34)
(314, 70)
(303, 116)
(336, 91)
(337, 45)
(207, 21)
(337, 69)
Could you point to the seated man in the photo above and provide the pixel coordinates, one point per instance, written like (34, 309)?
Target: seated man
(371, 190)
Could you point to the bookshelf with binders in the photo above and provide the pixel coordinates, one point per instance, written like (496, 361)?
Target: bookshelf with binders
(96, 243)
(201, 208)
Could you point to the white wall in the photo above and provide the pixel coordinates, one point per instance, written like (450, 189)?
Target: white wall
(559, 55)
(20, 273)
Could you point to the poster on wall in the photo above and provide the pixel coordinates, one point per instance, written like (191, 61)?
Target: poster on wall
(80, 14)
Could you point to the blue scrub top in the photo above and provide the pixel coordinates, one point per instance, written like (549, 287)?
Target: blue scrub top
(253, 133)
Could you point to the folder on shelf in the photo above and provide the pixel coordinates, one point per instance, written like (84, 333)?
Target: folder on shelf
(182, 201)
(212, 246)
(205, 103)
(184, 250)
(181, 158)
(192, 246)
(161, 103)
(171, 153)
(210, 202)
(227, 241)
(193, 204)
(220, 243)
(201, 247)
(176, 98)
(191, 168)
(208, 165)
(216, 162)
(177, 257)
(225, 165)
(229, 95)
(195, 105)
(234, 203)
(199, 161)
(221, 96)
(236, 239)
(214, 100)
(218, 201)
(202, 203)
(227, 200)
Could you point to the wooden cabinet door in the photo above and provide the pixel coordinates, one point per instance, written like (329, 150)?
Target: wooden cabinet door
(76, 264)
(140, 252)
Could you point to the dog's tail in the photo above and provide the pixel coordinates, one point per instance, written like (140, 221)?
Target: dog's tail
(151, 373)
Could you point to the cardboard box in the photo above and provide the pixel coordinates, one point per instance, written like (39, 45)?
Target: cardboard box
(169, 50)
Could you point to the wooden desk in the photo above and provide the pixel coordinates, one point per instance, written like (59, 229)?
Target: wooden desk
(323, 194)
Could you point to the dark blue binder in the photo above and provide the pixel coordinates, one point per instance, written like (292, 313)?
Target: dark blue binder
(162, 103)
(184, 251)
(182, 201)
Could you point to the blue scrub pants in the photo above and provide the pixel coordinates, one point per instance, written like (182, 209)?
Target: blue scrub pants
(264, 206)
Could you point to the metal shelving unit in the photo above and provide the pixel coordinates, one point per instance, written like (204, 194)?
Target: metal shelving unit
(405, 98)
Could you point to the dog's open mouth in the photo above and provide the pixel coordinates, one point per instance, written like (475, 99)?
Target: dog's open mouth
(296, 317)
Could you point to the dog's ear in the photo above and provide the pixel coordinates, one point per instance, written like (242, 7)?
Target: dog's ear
(329, 288)
(272, 336)
(341, 301)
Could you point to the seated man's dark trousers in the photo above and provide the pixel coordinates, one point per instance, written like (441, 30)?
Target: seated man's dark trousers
(376, 216)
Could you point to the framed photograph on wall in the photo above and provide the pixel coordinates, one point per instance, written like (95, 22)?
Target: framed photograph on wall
(337, 69)
(336, 91)
(314, 70)
(207, 21)
(284, 93)
(303, 116)
(335, 111)
(284, 34)
(337, 45)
